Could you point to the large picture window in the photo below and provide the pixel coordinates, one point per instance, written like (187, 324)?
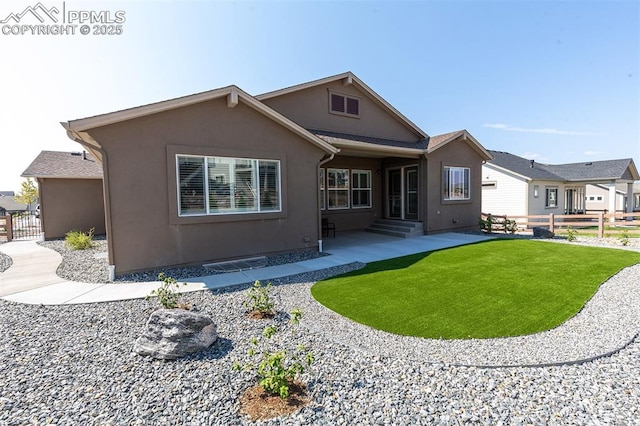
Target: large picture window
(456, 183)
(222, 185)
(361, 188)
(338, 188)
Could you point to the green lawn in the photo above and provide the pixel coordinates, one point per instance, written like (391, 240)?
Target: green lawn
(490, 289)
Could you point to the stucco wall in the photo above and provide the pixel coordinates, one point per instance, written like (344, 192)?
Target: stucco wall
(140, 167)
(358, 218)
(442, 215)
(71, 204)
(310, 109)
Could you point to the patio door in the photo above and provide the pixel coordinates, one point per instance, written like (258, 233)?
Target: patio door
(411, 193)
(402, 193)
(394, 177)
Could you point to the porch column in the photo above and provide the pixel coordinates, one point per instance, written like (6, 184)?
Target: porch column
(629, 198)
(612, 199)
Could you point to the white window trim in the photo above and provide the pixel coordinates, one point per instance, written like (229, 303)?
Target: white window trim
(206, 188)
(347, 189)
(547, 191)
(345, 113)
(370, 189)
(447, 197)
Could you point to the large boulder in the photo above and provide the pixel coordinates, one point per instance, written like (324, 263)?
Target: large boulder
(173, 333)
(542, 232)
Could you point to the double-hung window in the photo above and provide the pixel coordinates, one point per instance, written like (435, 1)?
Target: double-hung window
(224, 185)
(551, 197)
(361, 188)
(456, 183)
(338, 188)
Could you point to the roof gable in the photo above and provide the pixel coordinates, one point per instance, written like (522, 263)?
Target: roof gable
(438, 141)
(76, 129)
(64, 165)
(349, 79)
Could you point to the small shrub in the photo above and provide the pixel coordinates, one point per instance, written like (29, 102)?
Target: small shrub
(510, 226)
(571, 233)
(486, 225)
(624, 237)
(258, 299)
(276, 370)
(168, 294)
(78, 240)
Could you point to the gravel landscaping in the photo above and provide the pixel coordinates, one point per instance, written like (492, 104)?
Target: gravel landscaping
(74, 364)
(92, 266)
(5, 261)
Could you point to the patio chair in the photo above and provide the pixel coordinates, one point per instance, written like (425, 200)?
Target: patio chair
(328, 227)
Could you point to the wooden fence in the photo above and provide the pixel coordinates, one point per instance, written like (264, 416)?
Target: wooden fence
(6, 227)
(605, 222)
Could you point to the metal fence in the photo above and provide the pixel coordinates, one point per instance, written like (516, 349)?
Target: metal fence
(21, 226)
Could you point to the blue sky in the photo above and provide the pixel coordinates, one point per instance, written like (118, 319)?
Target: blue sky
(550, 80)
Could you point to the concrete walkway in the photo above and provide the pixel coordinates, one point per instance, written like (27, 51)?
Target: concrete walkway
(32, 276)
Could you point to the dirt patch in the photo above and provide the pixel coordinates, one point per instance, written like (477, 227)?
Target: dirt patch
(260, 314)
(258, 405)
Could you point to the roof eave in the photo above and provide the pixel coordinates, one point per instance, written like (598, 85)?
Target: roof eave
(59, 177)
(378, 149)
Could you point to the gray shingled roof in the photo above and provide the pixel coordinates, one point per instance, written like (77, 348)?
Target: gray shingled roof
(522, 166)
(56, 164)
(587, 171)
(608, 169)
(9, 203)
(336, 137)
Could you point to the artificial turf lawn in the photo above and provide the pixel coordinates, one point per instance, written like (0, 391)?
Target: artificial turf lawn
(490, 289)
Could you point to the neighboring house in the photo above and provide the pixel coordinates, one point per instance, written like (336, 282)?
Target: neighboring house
(597, 197)
(8, 204)
(70, 189)
(515, 186)
(223, 174)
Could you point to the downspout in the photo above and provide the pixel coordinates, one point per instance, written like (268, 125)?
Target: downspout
(107, 214)
(322, 162)
(73, 135)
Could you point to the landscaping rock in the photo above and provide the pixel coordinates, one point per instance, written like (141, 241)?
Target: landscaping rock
(173, 333)
(541, 232)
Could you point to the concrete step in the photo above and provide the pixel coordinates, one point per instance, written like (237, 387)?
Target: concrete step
(396, 228)
(396, 222)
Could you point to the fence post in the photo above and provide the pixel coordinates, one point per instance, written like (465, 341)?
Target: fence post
(600, 225)
(552, 224)
(9, 226)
